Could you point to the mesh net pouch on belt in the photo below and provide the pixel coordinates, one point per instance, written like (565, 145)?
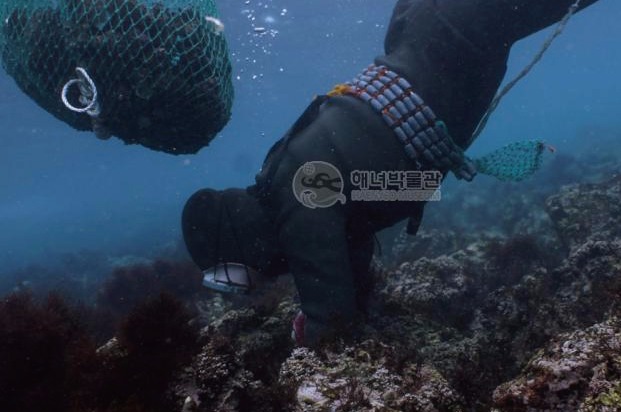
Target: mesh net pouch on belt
(156, 73)
(513, 162)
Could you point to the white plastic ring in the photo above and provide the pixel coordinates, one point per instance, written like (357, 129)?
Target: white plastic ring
(84, 81)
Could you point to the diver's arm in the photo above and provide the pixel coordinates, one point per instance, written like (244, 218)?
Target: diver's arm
(360, 256)
(315, 243)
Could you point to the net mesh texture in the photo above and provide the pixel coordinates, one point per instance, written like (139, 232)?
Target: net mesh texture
(162, 70)
(514, 162)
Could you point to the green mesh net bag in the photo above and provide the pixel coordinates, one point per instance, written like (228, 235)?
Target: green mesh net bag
(514, 162)
(151, 73)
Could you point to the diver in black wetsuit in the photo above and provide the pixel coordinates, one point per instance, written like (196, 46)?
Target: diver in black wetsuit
(453, 53)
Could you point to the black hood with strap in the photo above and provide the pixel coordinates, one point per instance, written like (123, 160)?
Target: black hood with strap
(230, 226)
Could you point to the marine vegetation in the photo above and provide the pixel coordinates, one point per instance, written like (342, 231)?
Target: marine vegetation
(49, 362)
(130, 285)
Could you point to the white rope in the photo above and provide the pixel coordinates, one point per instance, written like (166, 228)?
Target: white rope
(218, 26)
(88, 94)
(559, 29)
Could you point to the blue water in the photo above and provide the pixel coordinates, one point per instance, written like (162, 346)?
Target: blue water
(63, 191)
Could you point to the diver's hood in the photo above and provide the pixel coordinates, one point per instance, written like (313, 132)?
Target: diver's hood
(231, 226)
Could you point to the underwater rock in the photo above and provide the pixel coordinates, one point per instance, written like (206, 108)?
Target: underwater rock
(427, 243)
(479, 314)
(589, 283)
(435, 287)
(448, 289)
(128, 260)
(495, 208)
(360, 378)
(246, 363)
(586, 211)
(112, 350)
(237, 366)
(579, 371)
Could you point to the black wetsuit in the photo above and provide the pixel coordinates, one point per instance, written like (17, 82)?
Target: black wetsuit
(454, 53)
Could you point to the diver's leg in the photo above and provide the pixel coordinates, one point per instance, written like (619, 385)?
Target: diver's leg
(483, 21)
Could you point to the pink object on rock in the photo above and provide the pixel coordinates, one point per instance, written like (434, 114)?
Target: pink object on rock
(298, 328)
